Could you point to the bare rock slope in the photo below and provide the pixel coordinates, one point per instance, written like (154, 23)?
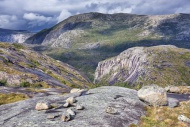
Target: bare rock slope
(125, 101)
(21, 67)
(162, 65)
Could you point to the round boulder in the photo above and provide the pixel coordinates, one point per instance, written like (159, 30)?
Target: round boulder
(153, 95)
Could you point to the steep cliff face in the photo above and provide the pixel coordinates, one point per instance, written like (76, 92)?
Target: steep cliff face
(18, 36)
(162, 65)
(125, 67)
(21, 67)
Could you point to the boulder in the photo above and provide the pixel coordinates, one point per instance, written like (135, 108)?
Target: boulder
(172, 102)
(153, 95)
(178, 89)
(43, 105)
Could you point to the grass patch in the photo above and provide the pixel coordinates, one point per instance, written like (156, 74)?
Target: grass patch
(10, 98)
(165, 116)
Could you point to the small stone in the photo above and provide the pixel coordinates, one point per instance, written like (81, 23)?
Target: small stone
(65, 118)
(111, 110)
(43, 106)
(66, 105)
(52, 116)
(71, 112)
(79, 107)
(71, 100)
(183, 118)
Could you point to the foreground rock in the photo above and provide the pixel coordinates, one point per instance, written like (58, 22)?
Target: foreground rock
(127, 104)
(153, 95)
(183, 118)
(43, 105)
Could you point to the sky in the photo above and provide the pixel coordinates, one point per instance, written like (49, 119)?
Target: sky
(35, 15)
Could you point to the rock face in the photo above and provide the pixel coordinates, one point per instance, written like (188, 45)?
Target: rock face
(126, 67)
(18, 36)
(146, 65)
(153, 95)
(129, 109)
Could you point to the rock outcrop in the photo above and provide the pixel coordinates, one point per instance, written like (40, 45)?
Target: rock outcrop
(18, 36)
(125, 101)
(153, 95)
(146, 65)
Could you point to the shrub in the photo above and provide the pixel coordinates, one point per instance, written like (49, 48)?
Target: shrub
(24, 84)
(3, 82)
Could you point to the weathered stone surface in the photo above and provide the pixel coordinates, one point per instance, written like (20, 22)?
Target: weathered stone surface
(183, 118)
(153, 95)
(111, 110)
(128, 105)
(71, 100)
(44, 105)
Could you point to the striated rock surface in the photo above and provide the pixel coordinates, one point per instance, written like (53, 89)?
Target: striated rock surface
(146, 65)
(153, 95)
(129, 109)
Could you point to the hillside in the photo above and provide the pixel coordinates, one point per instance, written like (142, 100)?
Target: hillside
(18, 36)
(85, 39)
(21, 67)
(162, 65)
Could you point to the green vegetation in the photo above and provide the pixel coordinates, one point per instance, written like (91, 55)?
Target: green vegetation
(10, 98)
(3, 82)
(18, 46)
(25, 84)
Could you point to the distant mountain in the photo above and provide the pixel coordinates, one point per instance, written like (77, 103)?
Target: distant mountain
(84, 40)
(162, 65)
(18, 36)
(93, 30)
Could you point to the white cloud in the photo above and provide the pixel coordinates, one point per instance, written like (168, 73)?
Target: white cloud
(63, 15)
(37, 17)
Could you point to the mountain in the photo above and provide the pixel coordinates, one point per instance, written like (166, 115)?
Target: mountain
(162, 65)
(84, 40)
(18, 36)
(21, 67)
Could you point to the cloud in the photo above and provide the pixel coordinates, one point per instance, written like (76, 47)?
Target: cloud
(63, 15)
(34, 16)
(40, 14)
